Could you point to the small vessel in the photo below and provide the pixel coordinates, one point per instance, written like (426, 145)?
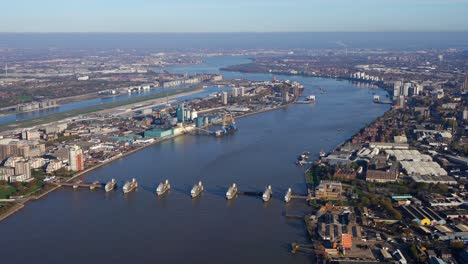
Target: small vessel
(196, 190)
(94, 184)
(287, 197)
(303, 156)
(130, 186)
(163, 187)
(267, 194)
(232, 191)
(310, 98)
(110, 185)
(322, 154)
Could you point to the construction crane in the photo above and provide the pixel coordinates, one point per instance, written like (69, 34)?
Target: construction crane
(228, 123)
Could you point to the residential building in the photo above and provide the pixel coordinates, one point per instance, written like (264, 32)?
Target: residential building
(75, 158)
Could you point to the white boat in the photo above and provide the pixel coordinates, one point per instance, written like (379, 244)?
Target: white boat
(130, 186)
(197, 189)
(267, 194)
(232, 191)
(287, 197)
(163, 187)
(110, 185)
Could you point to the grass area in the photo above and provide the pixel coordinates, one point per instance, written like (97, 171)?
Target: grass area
(87, 110)
(6, 190)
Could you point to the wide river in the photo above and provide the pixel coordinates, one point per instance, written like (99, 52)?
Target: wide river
(85, 226)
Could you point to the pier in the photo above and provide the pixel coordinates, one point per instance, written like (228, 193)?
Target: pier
(75, 185)
(305, 248)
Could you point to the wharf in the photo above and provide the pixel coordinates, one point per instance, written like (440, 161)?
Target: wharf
(77, 184)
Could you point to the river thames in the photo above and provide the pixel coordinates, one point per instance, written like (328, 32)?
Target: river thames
(85, 226)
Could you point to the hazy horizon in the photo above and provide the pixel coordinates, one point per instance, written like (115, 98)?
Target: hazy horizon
(238, 40)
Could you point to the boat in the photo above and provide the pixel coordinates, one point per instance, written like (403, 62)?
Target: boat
(267, 194)
(287, 197)
(303, 156)
(232, 192)
(196, 190)
(163, 187)
(130, 186)
(94, 184)
(110, 185)
(322, 154)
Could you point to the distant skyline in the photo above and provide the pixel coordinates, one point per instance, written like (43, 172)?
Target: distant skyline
(233, 15)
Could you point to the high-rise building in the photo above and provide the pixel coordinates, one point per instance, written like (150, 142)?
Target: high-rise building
(401, 101)
(465, 85)
(406, 88)
(396, 89)
(75, 158)
(224, 98)
(242, 91)
(180, 112)
(418, 89)
(235, 92)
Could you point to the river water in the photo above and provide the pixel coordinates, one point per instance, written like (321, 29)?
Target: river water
(95, 227)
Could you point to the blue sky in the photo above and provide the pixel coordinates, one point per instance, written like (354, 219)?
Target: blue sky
(232, 15)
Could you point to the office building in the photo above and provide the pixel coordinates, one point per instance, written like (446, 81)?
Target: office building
(180, 112)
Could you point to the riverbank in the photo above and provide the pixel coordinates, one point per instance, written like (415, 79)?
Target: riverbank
(21, 204)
